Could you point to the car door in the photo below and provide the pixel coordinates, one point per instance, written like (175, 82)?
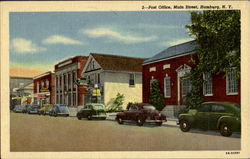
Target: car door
(202, 116)
(131, 113)
(217, 110)
(86, 111)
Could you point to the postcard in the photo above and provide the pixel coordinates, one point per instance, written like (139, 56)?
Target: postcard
(125, 79)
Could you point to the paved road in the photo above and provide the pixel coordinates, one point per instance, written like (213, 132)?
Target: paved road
(45, 133)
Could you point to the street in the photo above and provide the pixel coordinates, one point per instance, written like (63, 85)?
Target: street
(45, 133)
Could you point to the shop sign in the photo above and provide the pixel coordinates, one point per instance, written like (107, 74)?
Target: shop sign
(44, 90)
(41, 96)
(81, 82)
(96, 92)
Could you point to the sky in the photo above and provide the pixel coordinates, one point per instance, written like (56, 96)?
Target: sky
(39, 40)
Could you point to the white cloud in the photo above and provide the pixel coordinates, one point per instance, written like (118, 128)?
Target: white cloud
(21, 45)
(113, 35)
(157, 26)
(175, 42)
(59, 39)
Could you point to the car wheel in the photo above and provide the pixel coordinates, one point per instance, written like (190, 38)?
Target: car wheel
(28, 112)
(119, 120)
(225, 129)
(104, 118)
(55, 114)
(89, 117)
(44, 113)
(139, 121)
(185, 125)
(158, 123)
(79, 117)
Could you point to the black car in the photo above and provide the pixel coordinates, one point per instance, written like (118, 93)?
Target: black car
(59, 109)
(19, 109)
(32, 108)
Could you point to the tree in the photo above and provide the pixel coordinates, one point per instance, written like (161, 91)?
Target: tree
(156, 97)
(118, 101)
(218, 34)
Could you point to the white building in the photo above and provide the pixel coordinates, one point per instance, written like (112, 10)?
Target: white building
(114, 74)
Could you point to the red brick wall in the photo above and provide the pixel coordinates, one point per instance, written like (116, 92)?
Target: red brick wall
(51, 78)
(219, 83)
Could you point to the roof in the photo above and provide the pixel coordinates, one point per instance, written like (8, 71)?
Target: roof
(42, 75)
(118, 63)
(173, 51)
(69, 61)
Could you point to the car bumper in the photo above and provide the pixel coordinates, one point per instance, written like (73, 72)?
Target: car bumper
(63, 114)
(99, 116)
(33, 112)
(155, 121)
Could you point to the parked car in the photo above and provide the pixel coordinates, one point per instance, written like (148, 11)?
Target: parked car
(59, 109)
(45, 109)
(92, 110)
(141, 113)
(32, 108)
(222, 116)
(19, 109)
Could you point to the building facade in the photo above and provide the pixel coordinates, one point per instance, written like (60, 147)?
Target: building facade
(18, 82)
(66, 73)
(44, 88)
(112, 75)
(170, 68)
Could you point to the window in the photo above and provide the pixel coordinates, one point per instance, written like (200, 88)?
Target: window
(133, 108)
(218, 108)
(167, 87)
(74, 99)
(69, 80)
(47, 83)
(232, 83)
(60, 82)
(64, 82)
(166, 66)
(186, 86)
(37, 87)
(131, 79)
(42, 83)
(204, 108)
(208, 84)
(57, 83)
(152, 69)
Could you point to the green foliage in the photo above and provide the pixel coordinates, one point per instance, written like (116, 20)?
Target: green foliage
(156, 97)
(218, 34)
(117, 104)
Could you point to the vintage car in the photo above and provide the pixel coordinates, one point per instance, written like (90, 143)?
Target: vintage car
(141, 113)
(19, 109)
(59, 109)
(222, 116)
(32, 108)
(45, 109)
(92, 110)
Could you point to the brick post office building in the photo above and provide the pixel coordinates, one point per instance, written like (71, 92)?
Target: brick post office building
(66, 72)
(44, 85)
(171, 65)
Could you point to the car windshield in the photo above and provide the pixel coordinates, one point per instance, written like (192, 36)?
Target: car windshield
(64, 109)
(98, 107)
(150, 107)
